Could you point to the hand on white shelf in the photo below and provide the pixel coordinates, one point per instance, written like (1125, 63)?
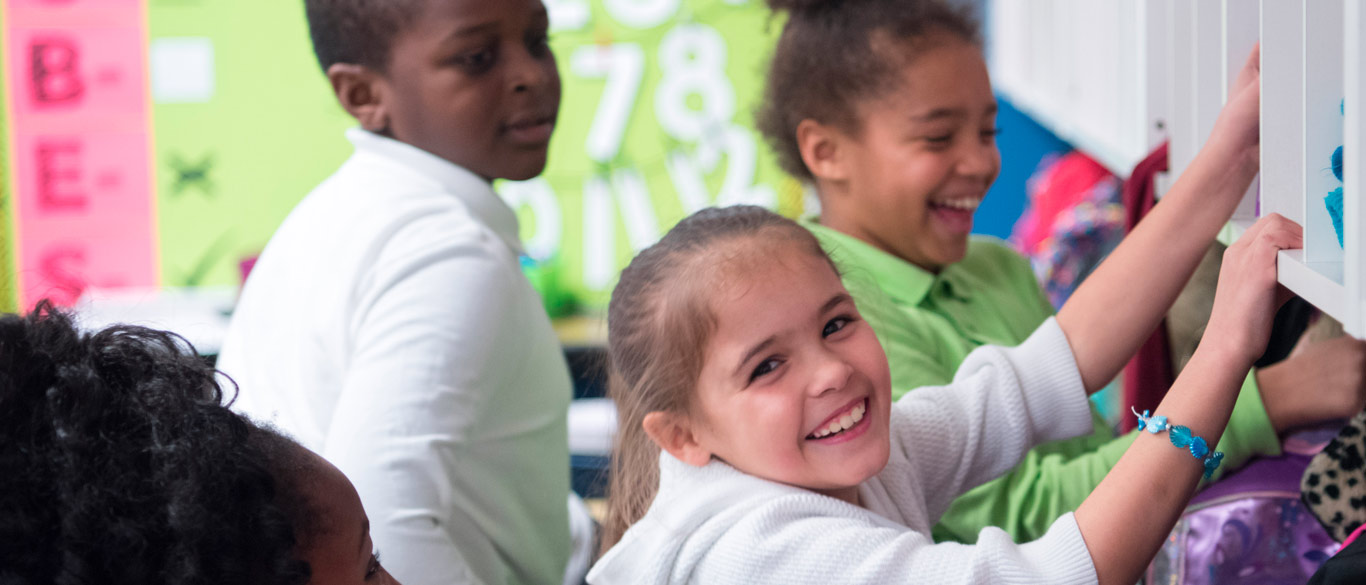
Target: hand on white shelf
(1248, 293)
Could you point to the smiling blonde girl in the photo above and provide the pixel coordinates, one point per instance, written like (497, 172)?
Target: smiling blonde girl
(759, 442)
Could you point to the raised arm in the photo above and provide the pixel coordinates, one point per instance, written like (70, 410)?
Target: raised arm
(1130, 513)
(1120, 304)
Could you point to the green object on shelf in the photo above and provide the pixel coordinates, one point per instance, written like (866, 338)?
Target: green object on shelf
(545, 278)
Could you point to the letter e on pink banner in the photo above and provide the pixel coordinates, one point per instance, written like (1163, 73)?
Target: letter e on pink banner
(97, 174)
(85, 193)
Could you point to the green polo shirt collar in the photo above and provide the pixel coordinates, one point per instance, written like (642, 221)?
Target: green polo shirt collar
(906, 283)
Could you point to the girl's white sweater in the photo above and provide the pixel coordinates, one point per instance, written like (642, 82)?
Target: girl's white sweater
(718, 525)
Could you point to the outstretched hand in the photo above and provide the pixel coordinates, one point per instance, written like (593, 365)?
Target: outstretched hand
(1248, 295)
(1238, 124)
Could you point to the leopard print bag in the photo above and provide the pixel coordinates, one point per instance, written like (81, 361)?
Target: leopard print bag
(1334, 485)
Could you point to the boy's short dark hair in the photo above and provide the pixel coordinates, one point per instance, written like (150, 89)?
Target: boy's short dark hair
(360, 32)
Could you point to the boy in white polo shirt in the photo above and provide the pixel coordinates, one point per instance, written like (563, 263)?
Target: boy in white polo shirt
(387, 324)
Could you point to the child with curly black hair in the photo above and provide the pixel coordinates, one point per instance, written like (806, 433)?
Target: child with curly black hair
(120, 463)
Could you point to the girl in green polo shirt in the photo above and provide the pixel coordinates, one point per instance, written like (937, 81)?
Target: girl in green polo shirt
(886, 109)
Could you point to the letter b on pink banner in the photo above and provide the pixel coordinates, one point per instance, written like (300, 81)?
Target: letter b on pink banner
(97, 73)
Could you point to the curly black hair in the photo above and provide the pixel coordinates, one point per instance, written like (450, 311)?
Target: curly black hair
(359, 32)
(120, 463)
(829, 59)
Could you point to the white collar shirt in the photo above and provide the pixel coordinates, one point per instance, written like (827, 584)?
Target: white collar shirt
(388, 327)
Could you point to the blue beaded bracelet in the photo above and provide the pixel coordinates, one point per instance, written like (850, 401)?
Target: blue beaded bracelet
(1182, 438)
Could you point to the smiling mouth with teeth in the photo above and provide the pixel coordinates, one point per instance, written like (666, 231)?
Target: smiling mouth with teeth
(965, 204)
(841, 423)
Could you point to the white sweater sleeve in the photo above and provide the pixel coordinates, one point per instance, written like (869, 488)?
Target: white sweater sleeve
(796, 541)
(715, 525)
(1002, 402)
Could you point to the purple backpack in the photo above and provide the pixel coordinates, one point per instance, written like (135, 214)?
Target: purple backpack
(1249, 528)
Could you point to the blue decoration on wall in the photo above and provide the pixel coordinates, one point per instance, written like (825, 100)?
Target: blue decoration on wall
(1023, 144)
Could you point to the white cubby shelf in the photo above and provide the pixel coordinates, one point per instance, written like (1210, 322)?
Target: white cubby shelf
(1311, 104)
(1171, 63)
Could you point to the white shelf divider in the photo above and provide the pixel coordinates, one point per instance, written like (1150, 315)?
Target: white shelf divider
(1323, 94)
(1242, 20)
(1182, 127)
(1208, 82)
(1282, 98)
(1354, 161)
(1079, 68)
(1156, 19)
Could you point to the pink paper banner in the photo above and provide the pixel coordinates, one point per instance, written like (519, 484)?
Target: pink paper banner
(84, 201)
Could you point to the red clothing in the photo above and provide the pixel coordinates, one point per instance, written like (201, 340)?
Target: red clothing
(1149, 373)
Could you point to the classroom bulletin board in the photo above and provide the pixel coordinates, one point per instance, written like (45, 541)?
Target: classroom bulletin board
(160, 142)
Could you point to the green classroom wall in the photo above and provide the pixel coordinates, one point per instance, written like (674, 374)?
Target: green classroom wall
(678, 79)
